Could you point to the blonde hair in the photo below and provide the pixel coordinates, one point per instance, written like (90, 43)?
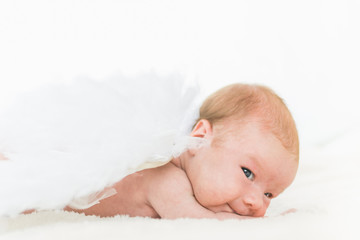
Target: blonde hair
(244, 101)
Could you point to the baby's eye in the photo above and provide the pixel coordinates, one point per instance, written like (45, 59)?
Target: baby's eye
(248, 173)
(268, 195)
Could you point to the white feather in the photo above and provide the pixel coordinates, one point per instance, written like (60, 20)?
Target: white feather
(66, 143)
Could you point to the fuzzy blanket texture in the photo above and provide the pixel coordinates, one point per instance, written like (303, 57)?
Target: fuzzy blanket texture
(321, 203)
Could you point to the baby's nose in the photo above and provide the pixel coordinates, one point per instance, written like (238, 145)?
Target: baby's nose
(255, 204)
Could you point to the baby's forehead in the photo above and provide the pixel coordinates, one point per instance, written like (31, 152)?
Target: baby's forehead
(234, 129)
(253, 141)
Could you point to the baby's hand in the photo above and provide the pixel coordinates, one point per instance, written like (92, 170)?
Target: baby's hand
(226, 215)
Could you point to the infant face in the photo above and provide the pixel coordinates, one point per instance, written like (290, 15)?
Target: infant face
(243, 172)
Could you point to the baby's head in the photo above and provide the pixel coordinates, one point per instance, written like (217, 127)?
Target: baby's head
(253, 150)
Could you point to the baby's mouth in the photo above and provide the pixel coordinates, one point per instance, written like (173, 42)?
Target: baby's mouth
(246, 214)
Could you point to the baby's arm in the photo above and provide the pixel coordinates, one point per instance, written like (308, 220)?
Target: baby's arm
(171, 196)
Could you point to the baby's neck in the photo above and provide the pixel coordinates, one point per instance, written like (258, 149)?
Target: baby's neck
(179, 161)
(176, 161)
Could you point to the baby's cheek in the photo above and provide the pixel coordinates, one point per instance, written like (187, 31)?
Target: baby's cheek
(210, 195)
(268, 204)
(204, 195)
(214, 188)
(231, 189)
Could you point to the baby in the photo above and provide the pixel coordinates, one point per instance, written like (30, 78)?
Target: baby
(251, 157)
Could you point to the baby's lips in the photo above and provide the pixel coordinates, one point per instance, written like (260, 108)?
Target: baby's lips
(245, 215)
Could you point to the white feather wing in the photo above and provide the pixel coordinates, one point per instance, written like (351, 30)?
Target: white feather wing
(66, 143)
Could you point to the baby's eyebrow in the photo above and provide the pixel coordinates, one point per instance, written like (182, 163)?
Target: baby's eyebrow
(256, 162)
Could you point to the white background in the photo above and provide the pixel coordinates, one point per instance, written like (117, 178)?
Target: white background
(307, 51)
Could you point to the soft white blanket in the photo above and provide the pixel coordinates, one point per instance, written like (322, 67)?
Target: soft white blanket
(323, 203)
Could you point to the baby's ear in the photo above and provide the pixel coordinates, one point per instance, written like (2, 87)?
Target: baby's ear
(202, 129)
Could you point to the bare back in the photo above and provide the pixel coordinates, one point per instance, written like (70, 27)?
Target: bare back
(132, 197)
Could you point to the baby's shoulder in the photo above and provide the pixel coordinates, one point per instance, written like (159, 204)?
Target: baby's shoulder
(168, 178)
(168, 172)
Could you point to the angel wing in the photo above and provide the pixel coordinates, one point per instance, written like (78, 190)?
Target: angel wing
(66, 143)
